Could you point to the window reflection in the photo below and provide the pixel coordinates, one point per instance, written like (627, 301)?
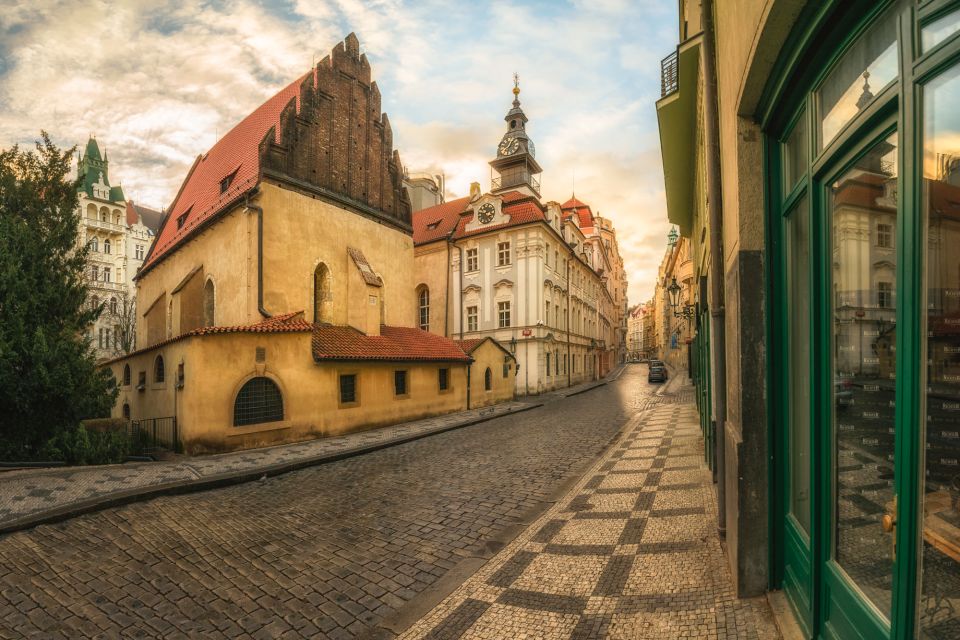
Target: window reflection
(940, 563)
(940, 29)
(863, 72)
(864, 205)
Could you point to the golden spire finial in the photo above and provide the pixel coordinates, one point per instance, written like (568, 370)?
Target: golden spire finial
(516, 84)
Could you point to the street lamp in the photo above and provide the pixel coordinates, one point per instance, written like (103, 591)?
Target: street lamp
(674, 290)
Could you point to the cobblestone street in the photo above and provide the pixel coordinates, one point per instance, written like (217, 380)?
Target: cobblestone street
(338, 549)
(328, 550)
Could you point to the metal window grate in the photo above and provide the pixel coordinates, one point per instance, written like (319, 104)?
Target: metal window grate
(443, 379)
(669, 74)
(158, 372)
(348, 388)
(400, 383)
(259, 401)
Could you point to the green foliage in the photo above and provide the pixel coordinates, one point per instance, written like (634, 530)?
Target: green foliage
(47, 369)
(79, 446)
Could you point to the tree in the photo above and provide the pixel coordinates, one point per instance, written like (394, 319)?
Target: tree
(48, 375)
(123, 317)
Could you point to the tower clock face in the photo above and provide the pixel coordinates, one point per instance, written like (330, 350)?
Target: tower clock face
(509, 146)
(485, 213)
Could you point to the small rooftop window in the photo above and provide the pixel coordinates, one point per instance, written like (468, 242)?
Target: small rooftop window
(181, 220)
(434, 224)
(225, 183)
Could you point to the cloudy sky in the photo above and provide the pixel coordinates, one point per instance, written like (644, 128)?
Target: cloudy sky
(158, 81)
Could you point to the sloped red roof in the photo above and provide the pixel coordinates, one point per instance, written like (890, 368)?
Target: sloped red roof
(581, 210)
(469, 345)
(435, 223)
(292, 322)
(237, 154)
(393, 344)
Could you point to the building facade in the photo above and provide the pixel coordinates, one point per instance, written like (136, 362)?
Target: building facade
(529, 274)
(118, 234)
(827, 321)
(278, 297)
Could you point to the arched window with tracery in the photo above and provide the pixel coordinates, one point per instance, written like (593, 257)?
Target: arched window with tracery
(208, 304)
(321, 293)
(126, 375)
(423, 307)
(259, 400)
(158, 370)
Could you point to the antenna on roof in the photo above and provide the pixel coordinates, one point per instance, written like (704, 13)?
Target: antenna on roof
(573, 191)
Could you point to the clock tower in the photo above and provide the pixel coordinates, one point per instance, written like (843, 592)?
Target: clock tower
(515, 168)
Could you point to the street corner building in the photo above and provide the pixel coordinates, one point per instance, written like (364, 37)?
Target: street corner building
(543, 278)
(811, 155)
(277, 302)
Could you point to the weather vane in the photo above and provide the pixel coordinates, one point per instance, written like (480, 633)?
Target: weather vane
(516, 83)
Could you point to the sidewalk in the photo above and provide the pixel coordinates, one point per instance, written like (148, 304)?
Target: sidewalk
(33, 496)
(630, 552)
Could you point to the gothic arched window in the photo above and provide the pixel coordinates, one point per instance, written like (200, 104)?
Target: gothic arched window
(126, 375)
(488, 379)
(158, 372)
(321, 293)
(423, 307)
(259, 400)
(208, 304)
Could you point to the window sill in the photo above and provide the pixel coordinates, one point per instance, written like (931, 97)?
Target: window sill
(347, 405)
(402, 396)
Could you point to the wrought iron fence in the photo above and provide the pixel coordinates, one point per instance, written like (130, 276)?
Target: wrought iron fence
(669, 74)
(150, 435)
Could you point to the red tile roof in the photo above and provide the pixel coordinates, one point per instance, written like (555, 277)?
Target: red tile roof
(469, 345)
(393, 344)
(292, 322)
(238, 154)
(519, 207)
(583, 212)
(436, 223)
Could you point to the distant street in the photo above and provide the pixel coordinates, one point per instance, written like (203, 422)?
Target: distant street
(331, 550)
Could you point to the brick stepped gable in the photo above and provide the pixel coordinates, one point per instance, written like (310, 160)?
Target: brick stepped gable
(333, 137)
(323, 133)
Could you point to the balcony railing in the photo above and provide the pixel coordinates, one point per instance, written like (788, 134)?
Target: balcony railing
(497, 182)
(669, 74)
(104, 225)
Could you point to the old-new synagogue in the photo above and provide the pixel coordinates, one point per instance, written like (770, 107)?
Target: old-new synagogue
(278, 300)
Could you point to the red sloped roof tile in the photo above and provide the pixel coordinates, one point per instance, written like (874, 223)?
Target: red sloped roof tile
(469, 345)
(292, 322)
(435, 223)
(238, 154)
(393, 344)
(583, 212)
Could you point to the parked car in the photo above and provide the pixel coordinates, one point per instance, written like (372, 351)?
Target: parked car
(657, 374)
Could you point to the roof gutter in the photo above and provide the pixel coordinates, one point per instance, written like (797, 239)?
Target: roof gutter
(253, 207)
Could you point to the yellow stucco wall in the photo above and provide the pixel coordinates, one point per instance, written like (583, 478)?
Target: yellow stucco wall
(299, 232)
(501, 388)
(431, 265)
(216, 367)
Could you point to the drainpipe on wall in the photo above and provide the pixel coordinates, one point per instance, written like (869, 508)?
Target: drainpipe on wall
(469, 367)
(569, 357)
(253, 207)
(446, 302)
(715, 213)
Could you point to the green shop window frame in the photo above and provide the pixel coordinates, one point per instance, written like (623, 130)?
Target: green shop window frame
(802, 567)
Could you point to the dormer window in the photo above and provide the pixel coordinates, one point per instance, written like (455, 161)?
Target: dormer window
(225, 183)
(433, 225)
(181, 220)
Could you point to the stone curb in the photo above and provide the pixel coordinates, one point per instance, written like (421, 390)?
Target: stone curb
(139, 494)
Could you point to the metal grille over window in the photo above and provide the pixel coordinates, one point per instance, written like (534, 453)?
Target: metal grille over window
(400, 383)
(443, 379)
(348, 388)
(259, 400)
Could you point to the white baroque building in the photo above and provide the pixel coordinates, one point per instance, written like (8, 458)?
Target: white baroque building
(119, 234)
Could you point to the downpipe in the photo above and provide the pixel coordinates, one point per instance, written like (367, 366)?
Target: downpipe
(715, 213)
(259, 211)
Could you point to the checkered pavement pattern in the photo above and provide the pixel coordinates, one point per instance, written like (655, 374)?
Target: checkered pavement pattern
(630, 552)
